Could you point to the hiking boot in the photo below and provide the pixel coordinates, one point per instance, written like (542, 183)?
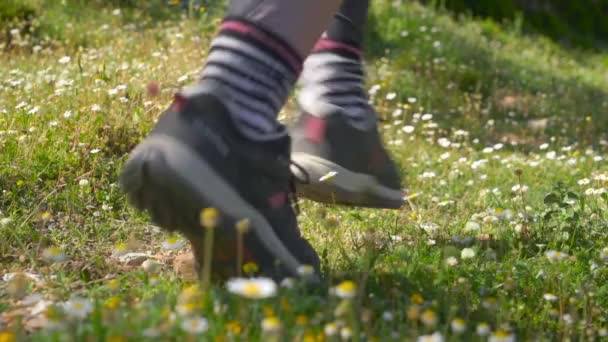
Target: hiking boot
(194, 159)
(345, 164)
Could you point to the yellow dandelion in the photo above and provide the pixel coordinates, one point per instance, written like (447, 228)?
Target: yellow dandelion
(285, 305)
(234, 327)
(268, 311)
(251, 268)
(7, 336)
(112, 303)
(242, 227)
(413, 312)
(190, 293)
(120, 249)
(301, 320)
(209, 217)
(113, 285)
(417, 298)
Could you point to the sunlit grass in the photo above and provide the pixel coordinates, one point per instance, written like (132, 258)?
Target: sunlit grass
(504, 235)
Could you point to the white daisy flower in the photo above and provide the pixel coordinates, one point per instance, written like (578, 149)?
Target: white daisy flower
(346, 333)
(195, 325)
(555, 256)
(472, 226)
(330, 329)
(408, 129)
(584, 181)
(467, 253)
(65, 60)
(77, 307)
(429, 318)
(501, 336)
(603, 253)
(271, 325)
(151, 266)
(54, 254)
(483, 329)
(451, 261)
(252, 288)
(346, 289)
(550, 297)
(435, 337)
(458, 325)
(173, 243)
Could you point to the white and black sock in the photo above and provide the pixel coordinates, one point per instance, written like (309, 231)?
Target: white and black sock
(333, 80)
(255, 72)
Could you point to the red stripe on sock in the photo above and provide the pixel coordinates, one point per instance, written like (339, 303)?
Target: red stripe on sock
(288, 56)
(325, 44)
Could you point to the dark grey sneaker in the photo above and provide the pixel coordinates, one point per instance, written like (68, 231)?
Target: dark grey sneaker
(345, 165)
(195, 159)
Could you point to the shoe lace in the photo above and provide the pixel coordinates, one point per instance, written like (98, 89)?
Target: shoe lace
(293, 196)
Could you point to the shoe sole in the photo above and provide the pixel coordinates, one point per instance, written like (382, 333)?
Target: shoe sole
(170, 181)
(345, 187)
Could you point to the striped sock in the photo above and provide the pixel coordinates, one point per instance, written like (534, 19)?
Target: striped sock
(333, 82)
(252, 72)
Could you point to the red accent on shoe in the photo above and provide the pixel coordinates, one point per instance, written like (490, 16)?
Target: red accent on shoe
(376, 161)
(315, 128)
(179, 102)
(277, 200)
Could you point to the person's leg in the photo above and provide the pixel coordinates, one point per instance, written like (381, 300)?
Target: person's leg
(220, 146)
(336, 131)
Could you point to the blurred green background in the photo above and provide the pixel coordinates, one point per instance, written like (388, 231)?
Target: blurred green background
(580, 23)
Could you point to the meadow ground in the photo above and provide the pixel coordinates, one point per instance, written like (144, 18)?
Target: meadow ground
(500, 137)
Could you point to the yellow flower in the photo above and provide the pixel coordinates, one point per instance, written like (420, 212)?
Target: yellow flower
(417, 298)
(413, 312)
(46, 216)
(346, 289)
(268, 310)
(301, 320)
(112, 303)
(250, 268)
(7, 336)
(242, 227)
(113, 284)
(209, 217)
(234, 327)
(285, 305)
(120, 249)
(190, 293)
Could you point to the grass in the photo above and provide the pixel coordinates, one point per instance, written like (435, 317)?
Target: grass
(500, 138)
